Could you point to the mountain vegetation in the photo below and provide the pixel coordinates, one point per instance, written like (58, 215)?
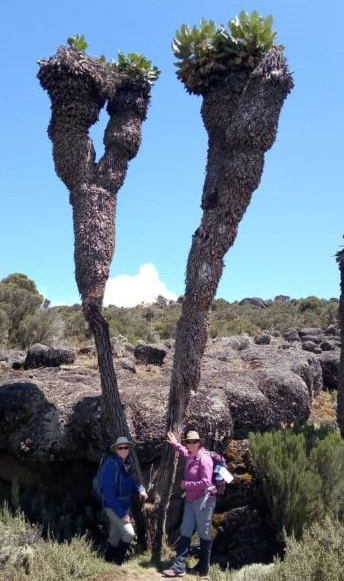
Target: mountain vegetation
(27, 318)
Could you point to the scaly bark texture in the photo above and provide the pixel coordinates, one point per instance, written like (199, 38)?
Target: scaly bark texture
(340, 401)
(240, 114)
(78, 87)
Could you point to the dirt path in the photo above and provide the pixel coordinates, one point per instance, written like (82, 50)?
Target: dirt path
(127, 574)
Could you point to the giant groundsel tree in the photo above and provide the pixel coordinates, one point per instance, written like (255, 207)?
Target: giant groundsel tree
(340, 402)
(243, 79)
(79, 86)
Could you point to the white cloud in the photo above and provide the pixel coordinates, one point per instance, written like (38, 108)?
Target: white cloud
(127, 291)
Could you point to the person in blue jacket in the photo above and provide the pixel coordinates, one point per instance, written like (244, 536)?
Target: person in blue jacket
(117, 489)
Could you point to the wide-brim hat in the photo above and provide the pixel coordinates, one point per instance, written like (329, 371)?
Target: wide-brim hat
(120, 441)
(193, 435)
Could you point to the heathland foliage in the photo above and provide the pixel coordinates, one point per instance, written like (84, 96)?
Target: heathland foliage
(26, 318)
(299, 474)
(25, 555)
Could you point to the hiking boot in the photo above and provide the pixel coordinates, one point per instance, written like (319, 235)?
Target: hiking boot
(172, 573)
(122, 552)
(204, 558)
(111, 554)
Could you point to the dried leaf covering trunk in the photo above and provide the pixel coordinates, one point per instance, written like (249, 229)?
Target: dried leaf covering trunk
(340, 401)
(78, 87)
(241, 116)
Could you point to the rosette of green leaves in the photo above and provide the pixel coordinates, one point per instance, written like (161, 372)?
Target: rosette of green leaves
(78, 42)
(253, 33)
(247, 35)
(137, 63)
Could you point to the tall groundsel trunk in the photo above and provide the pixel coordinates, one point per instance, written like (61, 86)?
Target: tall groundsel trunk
(79, 86)
(340, 401)
(241, 116)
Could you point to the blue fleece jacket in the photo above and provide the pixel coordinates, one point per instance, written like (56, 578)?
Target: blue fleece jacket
(118, 485)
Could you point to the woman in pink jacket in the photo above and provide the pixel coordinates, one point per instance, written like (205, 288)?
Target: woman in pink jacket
(200, 499)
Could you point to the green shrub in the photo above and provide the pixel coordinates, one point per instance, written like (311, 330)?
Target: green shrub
(299, 476)
(25, 555)
(327, 458)
(319, 556)
(291, 489)
(39, 327)
(4, 326)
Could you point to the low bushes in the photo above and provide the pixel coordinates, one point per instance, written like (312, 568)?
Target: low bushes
(299, 474)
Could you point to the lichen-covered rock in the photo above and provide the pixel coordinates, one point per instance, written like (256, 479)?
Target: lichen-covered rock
(326, 346)
(314, 338)
(311, 346)
(262, 339)
(42, 356)
(330, 368)
(150, 354)
(332, 330)
(310, 331)
(255, 301)
(127, 363)
(291, 335)
(242, 537)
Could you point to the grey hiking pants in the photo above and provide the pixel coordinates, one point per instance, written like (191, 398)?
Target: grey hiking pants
(118, 530)
(195, 518)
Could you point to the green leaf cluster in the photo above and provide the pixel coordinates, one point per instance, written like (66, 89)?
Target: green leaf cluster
(137, 63)
(78, 42)
(246, 35)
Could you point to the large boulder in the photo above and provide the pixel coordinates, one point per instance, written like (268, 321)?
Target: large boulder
(310, 331)
(332, 330)
(330, 368)
(150, 354)
(242, 537)
(291, 335)
(254, 301)
(311, 346)
(42, 356)
(262, 339)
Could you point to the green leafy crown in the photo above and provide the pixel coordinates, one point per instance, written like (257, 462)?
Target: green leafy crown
(133, 63)
(78, 42)
(247, 35)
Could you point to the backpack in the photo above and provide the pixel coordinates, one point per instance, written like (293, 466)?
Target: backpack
(221, 474)
(98, 479)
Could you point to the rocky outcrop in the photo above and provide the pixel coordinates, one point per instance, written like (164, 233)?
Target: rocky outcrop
(53, 414)
(52, 429)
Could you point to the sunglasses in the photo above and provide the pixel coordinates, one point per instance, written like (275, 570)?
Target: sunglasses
(192, 441)
(122, 448)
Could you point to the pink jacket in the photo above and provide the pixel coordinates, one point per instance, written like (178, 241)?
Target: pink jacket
(198, 473)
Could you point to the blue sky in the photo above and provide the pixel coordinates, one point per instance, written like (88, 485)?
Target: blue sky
(294, 225)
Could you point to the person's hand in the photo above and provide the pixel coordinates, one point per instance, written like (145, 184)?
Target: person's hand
(126, 519)
(143, 495)
(182, 485)
(171, 438)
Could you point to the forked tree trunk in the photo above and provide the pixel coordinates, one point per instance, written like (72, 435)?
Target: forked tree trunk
(340, 400)
(241, 118)
(78, 87)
